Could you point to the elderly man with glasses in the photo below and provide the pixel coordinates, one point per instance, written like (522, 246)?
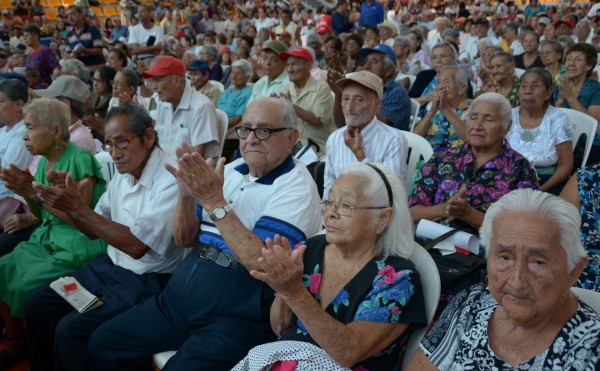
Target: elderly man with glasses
(134, 216)
(213, 311)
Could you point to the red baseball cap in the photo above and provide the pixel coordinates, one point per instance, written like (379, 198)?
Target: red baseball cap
(285, 34)
(324, 28)
(165, 65)
(298, 53)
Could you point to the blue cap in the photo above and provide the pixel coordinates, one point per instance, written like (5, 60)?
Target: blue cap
(199, 65)
(13, 75)
(381, 48)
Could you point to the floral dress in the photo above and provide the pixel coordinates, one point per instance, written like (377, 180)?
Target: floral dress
(513, 93)
(442, 134)
(588, 184)
(383, 291)
(444, 173)
(459, 340)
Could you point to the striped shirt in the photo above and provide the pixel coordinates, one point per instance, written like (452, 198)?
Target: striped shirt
(381, 143)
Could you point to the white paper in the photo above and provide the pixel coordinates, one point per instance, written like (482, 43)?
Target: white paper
(308, 157)
(464, 240)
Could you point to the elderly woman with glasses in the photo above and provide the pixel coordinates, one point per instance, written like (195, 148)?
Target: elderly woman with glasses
(98, 103)
(55, 248)
(457, 186)
(346, 298)
(526, 317)
(551, 53)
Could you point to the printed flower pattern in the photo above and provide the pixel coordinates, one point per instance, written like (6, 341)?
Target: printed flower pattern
(446, 172)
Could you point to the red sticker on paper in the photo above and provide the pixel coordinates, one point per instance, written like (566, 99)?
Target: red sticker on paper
(70, 287)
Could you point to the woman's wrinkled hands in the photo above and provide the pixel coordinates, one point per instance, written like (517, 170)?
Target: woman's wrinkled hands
(566, 89)
(281, 267)
(18, 181)
(19, 222)
(458, 207)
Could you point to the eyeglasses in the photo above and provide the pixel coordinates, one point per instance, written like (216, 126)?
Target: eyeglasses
(260, 133)
(345, 209)
(120, 145)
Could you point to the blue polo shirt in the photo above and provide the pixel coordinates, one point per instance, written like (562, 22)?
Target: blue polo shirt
(371, 14)
(89, 37)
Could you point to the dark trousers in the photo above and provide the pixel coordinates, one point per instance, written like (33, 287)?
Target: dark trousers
(8, 242)
(57, 334)
(211, 315)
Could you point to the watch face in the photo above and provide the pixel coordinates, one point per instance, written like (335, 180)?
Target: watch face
(220, 213)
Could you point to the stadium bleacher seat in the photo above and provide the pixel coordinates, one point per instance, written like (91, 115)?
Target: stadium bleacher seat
(51, 14)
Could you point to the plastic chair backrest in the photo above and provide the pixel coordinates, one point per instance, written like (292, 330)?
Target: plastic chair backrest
(222, 126)
(414, 113)
(582, 123)
(432, 287)
(591, 298)
(418, 147)
(108, 165)
(218, 84)
(519, 72)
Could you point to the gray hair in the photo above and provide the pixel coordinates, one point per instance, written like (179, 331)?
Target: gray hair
(512, 26)
(288, 114)
(444, 44)
(501, 103)
(586, 22)
(565, 216)
(403, 41)
(486, 41)
(568, 40)
(397, 237)
(77, 69)
(460, 76)
(244, 65)
(451, 32)
(313, 38)
(212, 50)
(51, 113)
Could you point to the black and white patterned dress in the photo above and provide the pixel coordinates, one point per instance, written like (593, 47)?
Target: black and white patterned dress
(459, 339)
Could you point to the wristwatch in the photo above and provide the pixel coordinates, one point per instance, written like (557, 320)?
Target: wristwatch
(219, 213)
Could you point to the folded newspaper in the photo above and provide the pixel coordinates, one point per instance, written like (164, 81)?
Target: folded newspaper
(77, 295)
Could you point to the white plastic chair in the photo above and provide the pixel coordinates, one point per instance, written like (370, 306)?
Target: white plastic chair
(223, 125)
(218, 84)
(519, 72)
(160, 359)
(432, 287)
(582, 123)
(591, 298)
(411, 78)
(414, 113)
(108, 165)
(418, 147)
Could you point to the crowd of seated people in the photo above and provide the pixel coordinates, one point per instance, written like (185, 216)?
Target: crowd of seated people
(240, 254)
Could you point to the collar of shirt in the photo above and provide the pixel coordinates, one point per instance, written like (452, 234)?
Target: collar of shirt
(281, 79)
(150, 169)
(370, 130)
(309, 87)
(76, 125)
(186, 98)
(286, 166)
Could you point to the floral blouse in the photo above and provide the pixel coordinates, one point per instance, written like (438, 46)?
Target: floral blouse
(513, 93)
(444, 173)
(459, 340)
(441, 133)
(588, 184)
(382, 291)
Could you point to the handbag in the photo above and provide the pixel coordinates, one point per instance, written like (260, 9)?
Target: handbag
(457, 271)
(8, 207)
